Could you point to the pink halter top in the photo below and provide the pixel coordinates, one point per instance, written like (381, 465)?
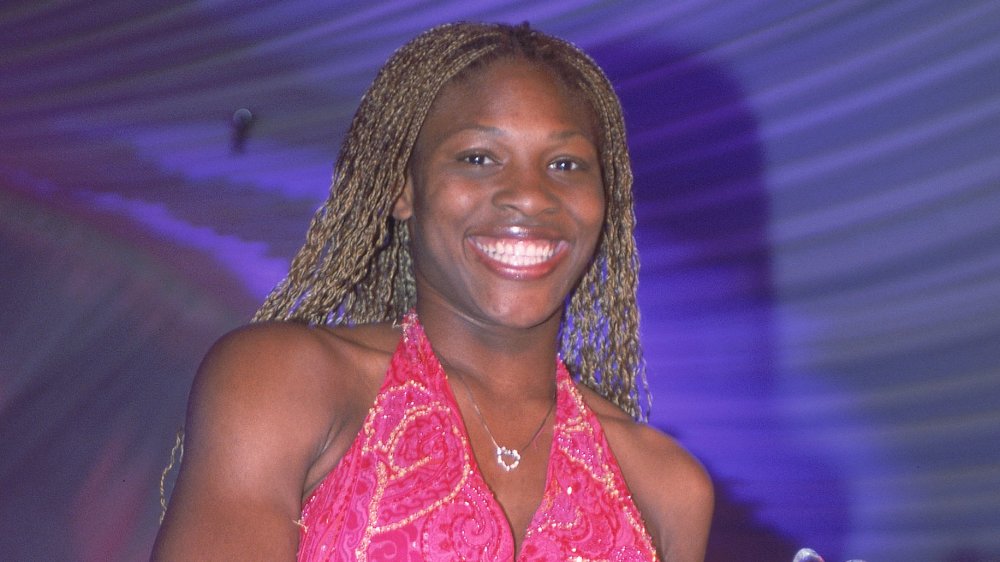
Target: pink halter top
(409, 487)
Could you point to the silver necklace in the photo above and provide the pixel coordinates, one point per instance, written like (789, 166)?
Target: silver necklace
(506, 458)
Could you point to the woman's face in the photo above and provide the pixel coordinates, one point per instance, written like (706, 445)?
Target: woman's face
(504, 195)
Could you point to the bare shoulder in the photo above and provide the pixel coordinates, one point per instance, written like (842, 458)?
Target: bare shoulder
(284, 370)
(281, 385)
(289, 360)
(669, 486)
(272, 408)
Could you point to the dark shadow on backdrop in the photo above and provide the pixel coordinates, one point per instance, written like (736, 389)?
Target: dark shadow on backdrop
(703, 212)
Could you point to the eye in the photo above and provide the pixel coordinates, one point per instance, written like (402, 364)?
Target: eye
(477, 159)
(565, 165)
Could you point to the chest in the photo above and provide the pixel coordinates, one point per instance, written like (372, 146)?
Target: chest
(412, 483)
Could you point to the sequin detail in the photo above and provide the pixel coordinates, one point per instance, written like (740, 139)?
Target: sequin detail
(409, 488)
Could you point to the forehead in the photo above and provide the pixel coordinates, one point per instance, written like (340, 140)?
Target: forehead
(499, 72)
(503, 86)
(506, 67)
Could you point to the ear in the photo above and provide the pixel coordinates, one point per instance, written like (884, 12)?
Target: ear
(402, 209)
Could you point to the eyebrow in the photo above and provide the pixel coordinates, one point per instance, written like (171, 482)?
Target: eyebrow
(496, 131)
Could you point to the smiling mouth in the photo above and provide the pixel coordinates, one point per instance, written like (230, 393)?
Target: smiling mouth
(518, 253)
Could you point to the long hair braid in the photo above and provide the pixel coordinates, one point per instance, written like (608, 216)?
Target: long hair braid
(355, 266)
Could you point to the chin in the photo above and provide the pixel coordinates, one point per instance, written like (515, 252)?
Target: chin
(524, 315)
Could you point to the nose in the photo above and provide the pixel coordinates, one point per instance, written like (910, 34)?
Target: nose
(527, 192)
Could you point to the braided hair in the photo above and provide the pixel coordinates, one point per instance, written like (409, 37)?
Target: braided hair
(355, 265)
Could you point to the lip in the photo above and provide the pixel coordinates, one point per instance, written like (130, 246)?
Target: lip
(519, 254)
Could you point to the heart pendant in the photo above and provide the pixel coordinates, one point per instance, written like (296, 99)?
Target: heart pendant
(508, 459)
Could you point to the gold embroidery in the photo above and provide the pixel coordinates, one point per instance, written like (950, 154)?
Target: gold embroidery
(388, 446)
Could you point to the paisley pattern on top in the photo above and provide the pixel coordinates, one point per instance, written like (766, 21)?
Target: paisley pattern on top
(409, 487)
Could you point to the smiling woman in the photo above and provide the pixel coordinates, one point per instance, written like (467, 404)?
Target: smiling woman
(505, 170)
(478, 236)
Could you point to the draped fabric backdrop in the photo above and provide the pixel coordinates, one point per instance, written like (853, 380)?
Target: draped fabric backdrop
(818, 189)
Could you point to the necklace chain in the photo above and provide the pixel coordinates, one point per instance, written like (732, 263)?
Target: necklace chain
(506, 458)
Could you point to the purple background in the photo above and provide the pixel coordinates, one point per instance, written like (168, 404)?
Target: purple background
(818, 190)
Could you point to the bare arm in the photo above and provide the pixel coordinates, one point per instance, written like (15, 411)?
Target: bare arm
(259, 414)
(680, 509)
(672, 491)
(669, 486)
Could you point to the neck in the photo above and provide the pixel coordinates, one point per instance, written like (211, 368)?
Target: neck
(502, 360)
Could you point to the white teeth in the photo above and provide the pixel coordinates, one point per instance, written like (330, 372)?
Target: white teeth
(520, 253)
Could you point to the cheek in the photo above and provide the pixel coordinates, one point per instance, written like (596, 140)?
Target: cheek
(436, 222)
(592, 214)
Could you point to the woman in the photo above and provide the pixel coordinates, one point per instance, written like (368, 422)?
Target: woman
(476, 248)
